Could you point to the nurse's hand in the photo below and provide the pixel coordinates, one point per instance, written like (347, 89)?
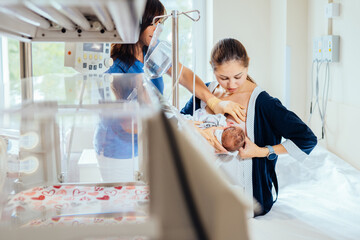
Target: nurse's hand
(208, 134)
(232, 108)
(251, 150)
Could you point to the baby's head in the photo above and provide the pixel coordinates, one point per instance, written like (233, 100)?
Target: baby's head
(233, 138)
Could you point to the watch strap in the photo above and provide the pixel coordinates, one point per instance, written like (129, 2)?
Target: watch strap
(271, 151)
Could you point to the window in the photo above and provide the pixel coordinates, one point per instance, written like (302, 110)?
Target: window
(10, 72)
(48, 58)
(191, 43)
(1, 76)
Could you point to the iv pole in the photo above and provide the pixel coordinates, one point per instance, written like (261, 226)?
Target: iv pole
(26, 71)
(175, 48)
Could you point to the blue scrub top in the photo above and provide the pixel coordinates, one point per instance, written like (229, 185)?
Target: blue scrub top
(111, 139)
(138, 67)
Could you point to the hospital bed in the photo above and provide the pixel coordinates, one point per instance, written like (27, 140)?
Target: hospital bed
(318, 199)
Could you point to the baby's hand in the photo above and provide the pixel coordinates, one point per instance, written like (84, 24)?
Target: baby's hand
(208, 134)
(197, 123)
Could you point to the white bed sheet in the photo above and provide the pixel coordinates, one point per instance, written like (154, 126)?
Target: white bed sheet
(319, 198)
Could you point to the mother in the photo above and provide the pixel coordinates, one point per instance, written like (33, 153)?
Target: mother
(267, 122)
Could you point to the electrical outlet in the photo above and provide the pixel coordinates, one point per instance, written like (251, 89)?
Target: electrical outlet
(330, 48)
(317, 49)
(332, 10)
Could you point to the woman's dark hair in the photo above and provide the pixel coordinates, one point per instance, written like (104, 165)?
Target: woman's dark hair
(226, 50)
(229, 49)
(126, 52)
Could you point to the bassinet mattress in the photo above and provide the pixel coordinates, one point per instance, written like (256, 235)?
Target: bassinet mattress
(78, 205)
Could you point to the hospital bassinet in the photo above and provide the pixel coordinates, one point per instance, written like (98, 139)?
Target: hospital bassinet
(58, 156)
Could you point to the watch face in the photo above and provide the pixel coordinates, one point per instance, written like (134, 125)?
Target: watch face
(272, 156)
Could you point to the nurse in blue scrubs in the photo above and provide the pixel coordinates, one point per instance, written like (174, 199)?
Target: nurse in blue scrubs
(129, 58)
(116, 139)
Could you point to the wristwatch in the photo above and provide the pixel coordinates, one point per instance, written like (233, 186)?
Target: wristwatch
(272, 155)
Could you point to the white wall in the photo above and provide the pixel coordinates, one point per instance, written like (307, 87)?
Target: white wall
(275, 84)
(342, 125)
(267, 29)
(297, 43)
(249, 22)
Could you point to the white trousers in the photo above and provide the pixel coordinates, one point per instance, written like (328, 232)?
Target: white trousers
(117, 170)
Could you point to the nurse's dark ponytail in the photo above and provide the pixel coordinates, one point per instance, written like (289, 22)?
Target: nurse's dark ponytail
(126, 52)
(227, 50)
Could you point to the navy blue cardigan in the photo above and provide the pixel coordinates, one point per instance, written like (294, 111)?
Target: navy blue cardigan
(272, 122)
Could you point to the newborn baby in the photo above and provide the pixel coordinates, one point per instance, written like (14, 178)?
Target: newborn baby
(231, 138)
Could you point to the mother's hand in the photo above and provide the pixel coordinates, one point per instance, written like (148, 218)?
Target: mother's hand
(251, 150)
(232, 108)
(208, 134)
